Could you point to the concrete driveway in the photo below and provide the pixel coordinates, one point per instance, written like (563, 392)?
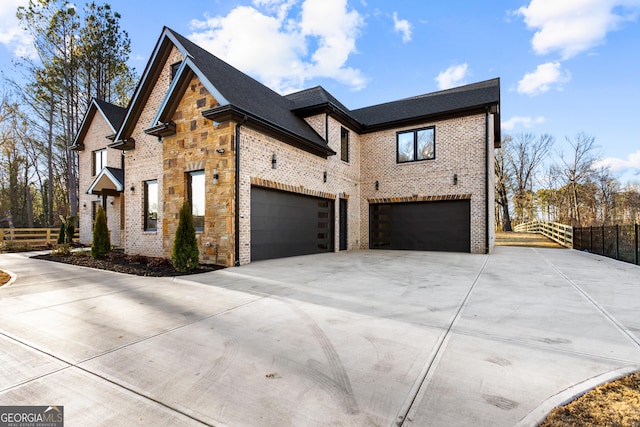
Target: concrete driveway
(362, 338)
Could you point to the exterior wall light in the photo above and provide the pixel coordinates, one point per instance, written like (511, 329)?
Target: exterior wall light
(455, 179)
(274, 161)
(324, 176)
(215, 175)
(377, 185)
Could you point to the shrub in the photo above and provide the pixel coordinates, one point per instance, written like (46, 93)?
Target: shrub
(61, 250)
(185, 252)
(100, 246)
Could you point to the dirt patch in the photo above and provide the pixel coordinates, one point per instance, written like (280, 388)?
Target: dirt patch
(129, 264)
(613, 404)
(4, 278)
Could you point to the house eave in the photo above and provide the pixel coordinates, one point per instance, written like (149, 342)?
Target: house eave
(162, 130)
(232, 113)
(332, 110)
(416, 120)
(124, 144)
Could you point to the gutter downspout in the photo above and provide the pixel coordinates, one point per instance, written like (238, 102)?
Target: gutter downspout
(486, 181)
(237, 190)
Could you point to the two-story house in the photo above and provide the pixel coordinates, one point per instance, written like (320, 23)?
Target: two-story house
(272, 176)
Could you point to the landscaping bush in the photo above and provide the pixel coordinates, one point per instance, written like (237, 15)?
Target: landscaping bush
(185, 252)
(101, 245)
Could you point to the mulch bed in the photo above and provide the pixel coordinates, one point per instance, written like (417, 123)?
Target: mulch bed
(129, 264)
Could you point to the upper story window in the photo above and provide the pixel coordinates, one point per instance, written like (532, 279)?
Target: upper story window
(151, 205)
(344, 144)
(416, 145)
(174, 69)
(99, 161)
(195, 187)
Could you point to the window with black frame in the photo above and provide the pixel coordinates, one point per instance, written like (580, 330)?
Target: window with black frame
(416, 145)
(196, 197)
(344, 144)
(151, 205)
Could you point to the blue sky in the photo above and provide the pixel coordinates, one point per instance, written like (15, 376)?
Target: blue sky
(565, 66)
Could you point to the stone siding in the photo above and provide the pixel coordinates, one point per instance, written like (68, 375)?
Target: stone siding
(144, 163)
(195, 147)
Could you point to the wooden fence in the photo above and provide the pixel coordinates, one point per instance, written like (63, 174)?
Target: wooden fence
(32, 236)
(555, 231)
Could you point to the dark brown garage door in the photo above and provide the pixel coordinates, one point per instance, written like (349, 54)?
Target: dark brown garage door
(423, 226)
(287, 224)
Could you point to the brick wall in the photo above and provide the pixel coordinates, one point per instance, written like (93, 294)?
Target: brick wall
(194, 147)
(144, 164)
(460, 149)
(95, 139)
(302, 172)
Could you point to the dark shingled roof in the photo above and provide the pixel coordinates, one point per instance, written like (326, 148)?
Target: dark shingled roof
(112, 112)
(313, 97)
(248, 94)
(448, 101)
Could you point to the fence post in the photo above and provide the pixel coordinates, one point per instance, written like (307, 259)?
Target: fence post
(635, 252)
(617, 242)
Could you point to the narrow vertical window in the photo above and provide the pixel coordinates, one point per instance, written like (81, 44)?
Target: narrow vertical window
(344, 144)
(196, 198)
(99, 160)
(151, 205)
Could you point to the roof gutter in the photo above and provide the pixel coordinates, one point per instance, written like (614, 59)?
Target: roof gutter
(230, 112)
(486, 180)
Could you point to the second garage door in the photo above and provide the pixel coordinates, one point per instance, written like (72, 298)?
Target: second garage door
(424, 226)
(286, 224)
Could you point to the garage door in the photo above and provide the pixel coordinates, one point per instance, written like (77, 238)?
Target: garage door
(424, 226)
(287, 224)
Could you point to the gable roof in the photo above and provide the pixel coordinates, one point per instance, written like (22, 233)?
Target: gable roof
(110, 179)
(113, 114)
(239, 96)
(245, 100)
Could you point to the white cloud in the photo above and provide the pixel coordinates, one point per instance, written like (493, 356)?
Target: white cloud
(11, 35)
(283, 46)
(572, 27)
(543, 78)
(523, 121)
(632, 162)
(403, 27)
(453, 76)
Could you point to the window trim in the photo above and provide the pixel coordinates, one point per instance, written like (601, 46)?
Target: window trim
(146, 218)
(344, 140)
(190, 174)
(415, 144)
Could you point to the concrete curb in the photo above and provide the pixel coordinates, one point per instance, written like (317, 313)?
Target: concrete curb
(538, 415)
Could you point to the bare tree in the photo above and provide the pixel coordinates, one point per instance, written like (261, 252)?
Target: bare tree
(525, 154)
(577, 169)
(607, 189)
(503, 183)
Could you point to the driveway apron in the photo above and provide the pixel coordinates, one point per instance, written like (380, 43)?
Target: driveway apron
(351, 338)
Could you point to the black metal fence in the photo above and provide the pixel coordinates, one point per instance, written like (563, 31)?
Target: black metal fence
(615, 241)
